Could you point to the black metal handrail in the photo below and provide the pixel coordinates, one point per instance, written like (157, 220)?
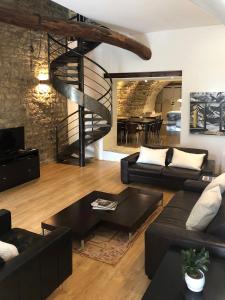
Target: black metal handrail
(64, 72)
(66, 118)
(99, 84)
(83, 56)
(96, 73)
(96, 64)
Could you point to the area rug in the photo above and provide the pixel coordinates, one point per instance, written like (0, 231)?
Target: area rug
(109, 246)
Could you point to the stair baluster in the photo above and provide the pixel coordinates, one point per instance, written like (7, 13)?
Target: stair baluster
(81, 80)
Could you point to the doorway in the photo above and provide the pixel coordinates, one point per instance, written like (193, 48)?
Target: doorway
(148, 111)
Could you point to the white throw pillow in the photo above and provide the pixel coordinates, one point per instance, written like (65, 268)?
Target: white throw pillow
(152, 156)
(219, 180)
(204, 210)
(7, 251)
(187, 160)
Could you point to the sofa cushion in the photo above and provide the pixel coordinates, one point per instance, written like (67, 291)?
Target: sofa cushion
(152, 156)
(218, 181)
(173, 216)
(7, 251)
(181, 173)
(145, 169)
(169, 153)
(197, 186)
(204, 210)
(184, 200)
(217, 226)
(194, 151)
(182, 159)
(177, 211)
(20, 238)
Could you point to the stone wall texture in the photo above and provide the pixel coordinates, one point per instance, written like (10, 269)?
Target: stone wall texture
(135, 98)
(23, 59)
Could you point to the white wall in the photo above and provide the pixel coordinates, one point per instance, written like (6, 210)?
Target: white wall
(170, 95)
(198, 52)
(110, 140)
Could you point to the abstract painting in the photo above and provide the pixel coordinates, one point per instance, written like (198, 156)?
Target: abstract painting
(207, 113)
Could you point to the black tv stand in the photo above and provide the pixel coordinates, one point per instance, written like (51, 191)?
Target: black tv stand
(18, 167)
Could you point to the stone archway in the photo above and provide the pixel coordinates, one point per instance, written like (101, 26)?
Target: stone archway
(136, 98)
(156, 87)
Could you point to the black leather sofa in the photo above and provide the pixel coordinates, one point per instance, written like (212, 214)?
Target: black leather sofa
(43, 263)
(172, 177)
(169, 228)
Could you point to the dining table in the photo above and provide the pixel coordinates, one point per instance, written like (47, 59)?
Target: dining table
(144, 122)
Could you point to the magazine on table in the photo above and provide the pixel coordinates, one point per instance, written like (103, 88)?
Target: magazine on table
(103, 204)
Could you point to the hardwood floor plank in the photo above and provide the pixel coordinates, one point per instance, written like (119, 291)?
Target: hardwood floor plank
(59, 186)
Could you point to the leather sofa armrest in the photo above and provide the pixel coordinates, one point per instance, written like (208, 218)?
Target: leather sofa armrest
(131, 158)
(60, 233)
(125, 162)
(187, 238)
(197, 186)
(159, 237)
(45, 265)
(5, 221)
(208, 168)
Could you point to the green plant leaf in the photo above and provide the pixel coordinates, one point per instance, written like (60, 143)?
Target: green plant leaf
(194, 260)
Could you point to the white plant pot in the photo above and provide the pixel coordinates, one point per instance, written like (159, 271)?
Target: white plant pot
(195, 285)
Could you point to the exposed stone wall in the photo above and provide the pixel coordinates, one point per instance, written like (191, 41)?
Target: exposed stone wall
(135, 98)
(156, 88)
(131, 97)
(23, 58)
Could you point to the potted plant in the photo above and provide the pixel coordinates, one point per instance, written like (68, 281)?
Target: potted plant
(194, 267)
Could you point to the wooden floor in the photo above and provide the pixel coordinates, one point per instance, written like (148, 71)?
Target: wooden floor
(59, 186)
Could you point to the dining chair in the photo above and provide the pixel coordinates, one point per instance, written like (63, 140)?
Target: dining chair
(132, 130)
(121, 131)
(158, 127)
(152, 129)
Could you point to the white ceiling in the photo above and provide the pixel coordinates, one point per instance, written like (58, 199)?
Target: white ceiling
(215, 7)
(143, 15)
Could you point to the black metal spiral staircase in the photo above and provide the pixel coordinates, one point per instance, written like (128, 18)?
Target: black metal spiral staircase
(81, 80)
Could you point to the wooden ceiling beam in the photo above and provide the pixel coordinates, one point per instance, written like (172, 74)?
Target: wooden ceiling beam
(81, 30)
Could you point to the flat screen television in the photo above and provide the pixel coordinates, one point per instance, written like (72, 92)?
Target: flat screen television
(11, 140)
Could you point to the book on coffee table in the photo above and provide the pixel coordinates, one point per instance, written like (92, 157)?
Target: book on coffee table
(103, 204)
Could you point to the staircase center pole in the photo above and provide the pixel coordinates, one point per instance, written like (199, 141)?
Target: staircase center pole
(81, 108)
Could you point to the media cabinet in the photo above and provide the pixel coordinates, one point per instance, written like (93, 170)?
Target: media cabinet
(20, 167)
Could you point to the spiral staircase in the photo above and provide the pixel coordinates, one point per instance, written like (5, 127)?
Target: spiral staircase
(81, 80)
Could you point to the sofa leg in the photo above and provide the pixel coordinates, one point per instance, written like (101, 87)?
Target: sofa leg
(60, 287)
(130, 236)
(82, 244)
(125, 181)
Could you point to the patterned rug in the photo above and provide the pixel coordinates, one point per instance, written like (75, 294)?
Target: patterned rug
(109, 246)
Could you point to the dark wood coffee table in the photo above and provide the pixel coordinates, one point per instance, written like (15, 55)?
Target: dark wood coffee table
(168, 282)
(135, 206)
